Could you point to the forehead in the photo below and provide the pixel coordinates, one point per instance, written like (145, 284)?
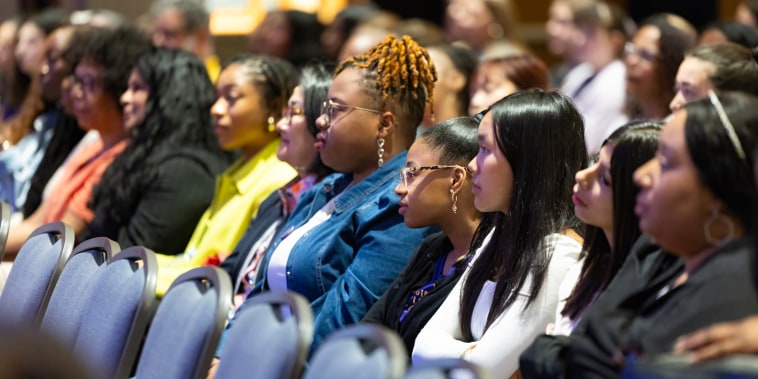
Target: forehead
(422, 153)
(695, 71)
(647, 37)
(169, 18)
(88, 66)
(486, 126)
(672, 135)
(347, 85)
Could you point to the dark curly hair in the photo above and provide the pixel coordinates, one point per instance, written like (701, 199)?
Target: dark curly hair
(177, 115)
(116, 51)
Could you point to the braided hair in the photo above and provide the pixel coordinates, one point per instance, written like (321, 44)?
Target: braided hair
(403, 74)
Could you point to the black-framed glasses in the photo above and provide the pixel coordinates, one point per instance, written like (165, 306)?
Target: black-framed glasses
(730, 132)
(329, 109)
(289, 112)
(86, 83)
(407, 174)
(646, 55)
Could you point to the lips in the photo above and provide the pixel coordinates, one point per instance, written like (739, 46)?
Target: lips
(577, 201)
(320, 141)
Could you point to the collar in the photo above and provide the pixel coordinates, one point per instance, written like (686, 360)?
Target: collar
(335, 185)
(245, 174)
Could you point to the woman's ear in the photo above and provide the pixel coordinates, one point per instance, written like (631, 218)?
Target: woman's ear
(387, 124)
(458, 178)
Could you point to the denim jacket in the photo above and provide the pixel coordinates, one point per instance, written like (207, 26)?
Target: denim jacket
(345, 264)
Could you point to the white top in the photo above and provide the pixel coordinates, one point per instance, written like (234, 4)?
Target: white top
(277, 265)
(601, 100)
(563, 324)
(498, 348)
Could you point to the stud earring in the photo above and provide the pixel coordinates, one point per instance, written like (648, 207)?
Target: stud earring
(271, 124)
(380, 151)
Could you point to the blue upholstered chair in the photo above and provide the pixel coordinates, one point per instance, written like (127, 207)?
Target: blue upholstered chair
(270, 339)
(366, 351)
(64, 311)
(186, 328)
(5, 226)
(452, 368)
(34, 274)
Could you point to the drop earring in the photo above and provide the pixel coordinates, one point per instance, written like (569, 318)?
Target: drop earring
(380, 151)
(271, 124)
(454, 197)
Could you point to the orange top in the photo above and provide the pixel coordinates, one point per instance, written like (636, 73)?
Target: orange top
(81, 174)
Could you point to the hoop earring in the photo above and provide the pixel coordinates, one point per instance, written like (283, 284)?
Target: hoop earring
(454, 198)
(271, 124)
(716, 216)
(380, 151)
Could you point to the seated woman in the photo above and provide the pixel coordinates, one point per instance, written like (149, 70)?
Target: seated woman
(143, 197)
(345, 242)
(455, 66)
(503, 73)
(99, 79)
(298, 131)
(435, 191)
(604, 199)
(693, 206)
(719, 67)
(251, 92)
(510, 291)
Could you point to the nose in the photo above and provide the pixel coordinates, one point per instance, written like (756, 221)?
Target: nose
(677, 102)
(282, 124)
(322, 123)
(400, 189)
(219, 107)
(472, 166)
(643, 175)
(126, 97)
(581, 178)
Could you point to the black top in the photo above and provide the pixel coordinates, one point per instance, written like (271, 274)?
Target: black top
(638, 316)
(416, 274)
(169, 206)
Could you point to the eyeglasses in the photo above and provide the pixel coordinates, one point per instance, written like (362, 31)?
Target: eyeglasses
(289, 112)
(329, 109)
(730, 132)
(87, 83)
(408, 173)
(646, 55)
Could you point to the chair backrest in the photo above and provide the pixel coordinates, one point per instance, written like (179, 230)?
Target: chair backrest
(448, 368)
(5, 226)
(34, 273)
(186, 328)
(366, 351)
(66, 307)
(670, 366)
(270, 338)
(120, 305)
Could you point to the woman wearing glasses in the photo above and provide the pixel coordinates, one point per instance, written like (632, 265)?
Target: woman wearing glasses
(298, 130)
(435, 190)
(251, 92)
(100, 77)
(345, 241)
(509, 293)
(652, 58)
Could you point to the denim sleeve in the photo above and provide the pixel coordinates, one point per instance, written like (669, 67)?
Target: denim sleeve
(383, 246)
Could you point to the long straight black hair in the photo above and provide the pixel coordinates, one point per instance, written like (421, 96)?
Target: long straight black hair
(541, 134)
(633, 145)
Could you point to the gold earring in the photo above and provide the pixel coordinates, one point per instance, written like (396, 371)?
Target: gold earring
(454, 197)
(271, 124)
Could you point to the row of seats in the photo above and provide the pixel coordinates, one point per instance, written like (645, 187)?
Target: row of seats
(98, 301)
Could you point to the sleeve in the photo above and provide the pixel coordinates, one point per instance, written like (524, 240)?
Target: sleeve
(79, 203)
(169, 209)
(382, 247)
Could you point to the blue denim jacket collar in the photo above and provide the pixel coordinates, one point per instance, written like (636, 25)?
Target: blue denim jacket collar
(336, 184)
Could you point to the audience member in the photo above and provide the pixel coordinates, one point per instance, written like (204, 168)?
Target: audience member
(292, 35)
(455, 66)
(652, 58)
(337, 32)
(740, 34)
(351, 219)
(477, 23)
(298, 130)
(561, 36)
(251, 92)
(12, 90)
(720, 66)
(185, 24)
(596, 83)
(511, 287)
(369, 33)
(747, 13)
(497, 76)
(435, 190)
(143, 198)
(99, 79)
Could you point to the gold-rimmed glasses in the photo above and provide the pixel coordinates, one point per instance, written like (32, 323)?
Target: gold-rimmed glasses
(329, 109)
(408, 173)
(289, 112)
